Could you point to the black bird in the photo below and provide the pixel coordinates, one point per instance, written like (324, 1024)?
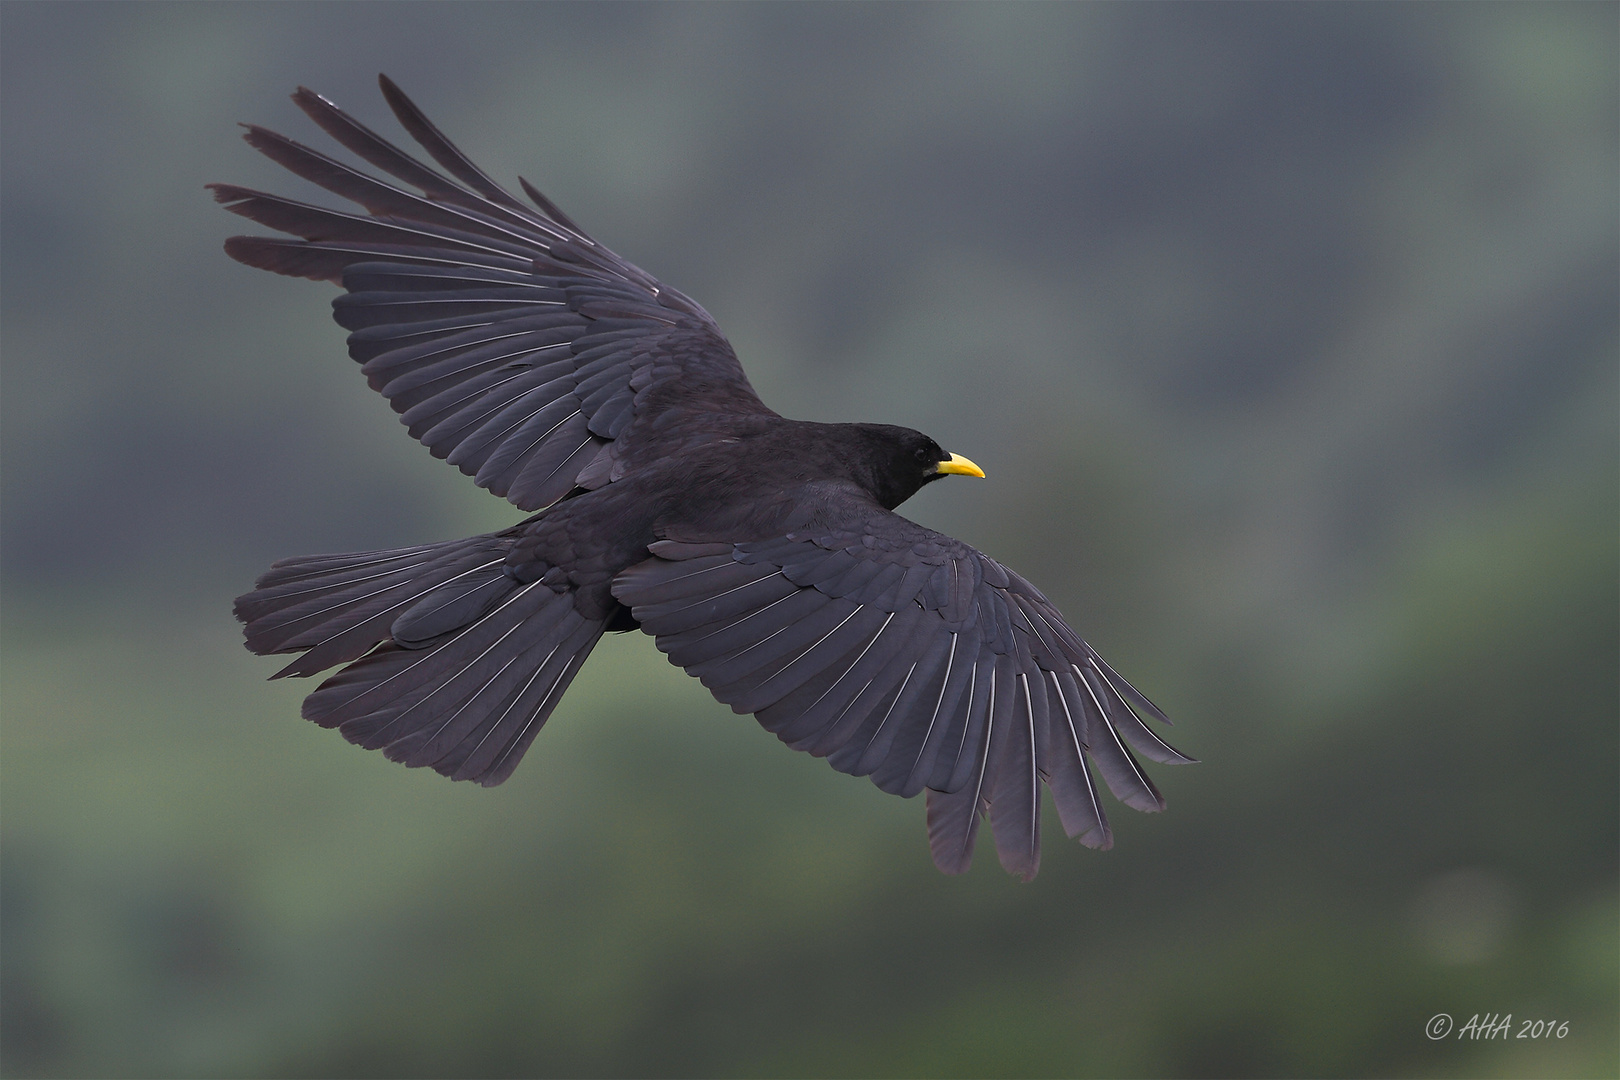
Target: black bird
(762, 553)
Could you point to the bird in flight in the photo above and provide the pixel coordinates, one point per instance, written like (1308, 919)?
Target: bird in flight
(762, 554)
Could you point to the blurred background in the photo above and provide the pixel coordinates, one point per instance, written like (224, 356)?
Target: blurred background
(1286, 333)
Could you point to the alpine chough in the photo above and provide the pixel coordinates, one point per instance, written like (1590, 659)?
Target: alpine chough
(763, 554)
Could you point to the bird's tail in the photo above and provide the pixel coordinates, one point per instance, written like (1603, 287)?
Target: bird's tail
(456, 663)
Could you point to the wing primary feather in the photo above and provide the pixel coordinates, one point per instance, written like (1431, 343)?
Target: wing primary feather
(946, 783)
(1128, 690)
(1138, 733)
(421, 393)
(326, 261)
(551, 210)
(1015, 812)
(446, 420)
(373, 148)
(377, 197)
(442, 149)
(316, 223)
(983, 756)
(953, 818)
(1034, 764)
(1079, 807)
(981, 713)
(1008, 773)
(1123, 687)
(1123, 775)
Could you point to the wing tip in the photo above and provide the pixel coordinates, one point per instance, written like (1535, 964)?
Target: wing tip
(395, 97)
(1159, 751)
(1152, 803)
(307, 99)
(1021, 866)
(1097, 839)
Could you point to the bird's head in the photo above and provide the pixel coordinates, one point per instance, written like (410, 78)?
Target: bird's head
(905, 460)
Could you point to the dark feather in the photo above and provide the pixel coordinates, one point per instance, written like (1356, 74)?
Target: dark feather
(852, 655)
(762, 553)
(320, 224)
(370, 147)
(1120, 770)
(953, 817)
(1015, 804)
(1079, 808)
(335, 608)
(630, 335)
(441, 149)
(919, 746)
(380, 199)
(549, 208)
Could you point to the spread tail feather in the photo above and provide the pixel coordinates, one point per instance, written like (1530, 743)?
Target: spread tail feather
(455, 663)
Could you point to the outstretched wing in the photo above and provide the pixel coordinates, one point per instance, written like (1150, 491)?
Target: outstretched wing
(897, 652)
(512, 344)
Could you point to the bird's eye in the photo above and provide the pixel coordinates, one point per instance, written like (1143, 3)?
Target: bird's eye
(922, 454)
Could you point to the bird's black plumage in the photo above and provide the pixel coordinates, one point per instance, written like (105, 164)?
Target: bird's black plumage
(762, 553)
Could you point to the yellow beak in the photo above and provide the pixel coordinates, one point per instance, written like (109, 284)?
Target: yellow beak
(959, 464)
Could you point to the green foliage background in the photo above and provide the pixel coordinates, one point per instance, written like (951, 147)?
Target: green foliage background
(1287, 335)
